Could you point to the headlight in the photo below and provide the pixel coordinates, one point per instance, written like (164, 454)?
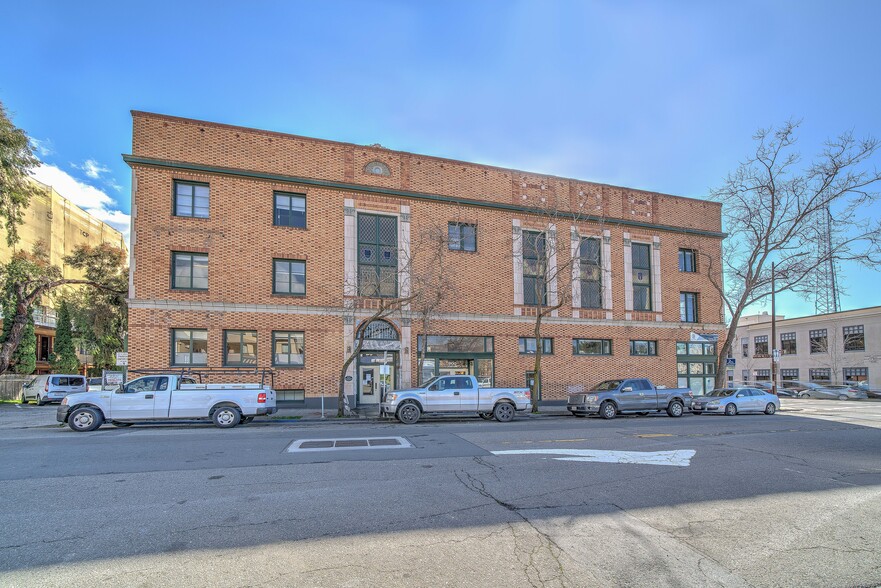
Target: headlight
(391, 397)
(64, 402)
(591, 398)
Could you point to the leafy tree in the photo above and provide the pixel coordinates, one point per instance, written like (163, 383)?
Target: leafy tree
(24, 359)
(16, 161)
(64, 359)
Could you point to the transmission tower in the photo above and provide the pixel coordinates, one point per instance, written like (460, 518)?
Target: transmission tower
(827, 294)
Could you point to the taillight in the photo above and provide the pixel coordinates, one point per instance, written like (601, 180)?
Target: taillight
(529, 394)
(46, 387)
(261, 398)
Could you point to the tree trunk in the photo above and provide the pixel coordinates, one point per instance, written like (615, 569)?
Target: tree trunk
(536, 369)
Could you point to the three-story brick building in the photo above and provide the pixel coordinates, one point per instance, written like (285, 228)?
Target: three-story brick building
(261, 249)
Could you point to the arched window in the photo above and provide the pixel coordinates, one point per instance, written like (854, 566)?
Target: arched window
(380, 330)
(377, 168)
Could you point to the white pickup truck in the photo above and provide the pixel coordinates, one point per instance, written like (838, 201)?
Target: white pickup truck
(166, 397)
(452, 394)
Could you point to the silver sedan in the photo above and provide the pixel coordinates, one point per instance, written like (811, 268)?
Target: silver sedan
(732, 401)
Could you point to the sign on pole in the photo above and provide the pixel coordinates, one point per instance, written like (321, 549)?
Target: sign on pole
(775, 355)
(122, 358)
(730, 362)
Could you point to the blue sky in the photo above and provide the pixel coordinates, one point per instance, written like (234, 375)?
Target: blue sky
(657, 95)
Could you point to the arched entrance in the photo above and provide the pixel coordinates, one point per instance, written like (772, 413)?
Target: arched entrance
(378, 367)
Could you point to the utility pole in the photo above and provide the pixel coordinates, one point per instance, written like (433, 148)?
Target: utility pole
(775, 353)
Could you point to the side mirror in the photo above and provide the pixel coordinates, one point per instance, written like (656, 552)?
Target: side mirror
(120, 389)
(627, 389)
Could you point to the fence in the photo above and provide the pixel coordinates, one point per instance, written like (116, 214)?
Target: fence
(10, 386)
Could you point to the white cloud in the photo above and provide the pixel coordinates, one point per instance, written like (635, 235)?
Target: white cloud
(92, 168)
(41, 147)
(91, 199)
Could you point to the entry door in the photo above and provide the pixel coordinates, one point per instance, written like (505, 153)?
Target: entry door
(368, 382)
(135, 399)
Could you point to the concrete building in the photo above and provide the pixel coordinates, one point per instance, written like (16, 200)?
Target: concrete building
(61, 226)
(257, 249)
(836, 347)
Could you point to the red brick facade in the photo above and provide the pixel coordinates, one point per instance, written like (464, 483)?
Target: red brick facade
(244, 166)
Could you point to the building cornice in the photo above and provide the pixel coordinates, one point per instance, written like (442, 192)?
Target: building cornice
(134, 160)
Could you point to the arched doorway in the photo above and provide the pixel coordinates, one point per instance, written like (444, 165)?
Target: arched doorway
(377, 367)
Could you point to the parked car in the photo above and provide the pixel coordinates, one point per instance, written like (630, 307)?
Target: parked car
(791, 388)
(732, 401)
(51, 388)
(832, 392)
(456, 394)
(164, 397)
(637, 395)
(864, 386)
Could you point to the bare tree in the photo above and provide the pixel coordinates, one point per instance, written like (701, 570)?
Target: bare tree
(772, 208)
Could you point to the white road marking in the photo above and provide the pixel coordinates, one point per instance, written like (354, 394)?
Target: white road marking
(678, 457)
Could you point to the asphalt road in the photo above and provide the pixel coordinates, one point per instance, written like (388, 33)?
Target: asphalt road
(792, 499)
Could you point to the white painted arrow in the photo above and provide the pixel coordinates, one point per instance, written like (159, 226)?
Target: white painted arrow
(678, 457)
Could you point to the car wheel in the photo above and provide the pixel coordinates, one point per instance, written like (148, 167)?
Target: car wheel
(730, 409)
(770, 409)
(675, 409)
(40, 401)
(23, 400)
(504, 412)
(842, 397)
(226, 417)
(119, 424)
(608, 410)
(247, 419)
(697, 412)
(84, 419)
(804, 395)
(409, 413)
(487, 416)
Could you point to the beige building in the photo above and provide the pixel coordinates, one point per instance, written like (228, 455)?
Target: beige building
(837, 347)
(62, 226)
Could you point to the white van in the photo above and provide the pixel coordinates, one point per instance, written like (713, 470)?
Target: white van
(52, 388)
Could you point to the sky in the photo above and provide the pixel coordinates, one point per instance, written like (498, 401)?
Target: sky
(663, 96)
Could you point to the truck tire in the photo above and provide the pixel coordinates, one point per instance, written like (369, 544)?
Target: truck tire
(409, 413)
(226, 417)
(23, 399)
(83, 420)
(608, 410)
(675, 409)
(504, 412)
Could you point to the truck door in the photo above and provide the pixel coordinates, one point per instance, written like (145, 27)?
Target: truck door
(440, 396)
(135, 399)
(468, 393)
(161, 398)
(629, 396)
(648, 399)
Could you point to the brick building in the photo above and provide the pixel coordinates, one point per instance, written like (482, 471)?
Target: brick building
(257, 248)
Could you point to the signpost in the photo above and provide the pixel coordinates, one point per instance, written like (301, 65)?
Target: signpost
(730, 362)
(122, 358)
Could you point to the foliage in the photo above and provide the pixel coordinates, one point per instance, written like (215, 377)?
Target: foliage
(24, 360)
(64, 359)
(16, 189)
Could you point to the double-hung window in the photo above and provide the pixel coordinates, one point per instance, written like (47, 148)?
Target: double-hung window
(591, 347)
(641, 256)
(289, 277)
(591, 273)
(526, 345)
(761, 346)
(288, 348)
(461, 237)
(688, 310)
(290, 210)
(535, 291)
(854, 338)
(820, 374)
(377, 256)
(240, 348)
(687, 260)
(191, 199)
(189, 271)
(788, 344)
(189, 347)
(744, 343)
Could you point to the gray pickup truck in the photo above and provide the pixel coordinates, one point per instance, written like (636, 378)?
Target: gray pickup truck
(637, 395)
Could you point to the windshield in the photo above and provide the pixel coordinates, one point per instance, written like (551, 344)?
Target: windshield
(608, 385)
(430, 382)
(719, 393)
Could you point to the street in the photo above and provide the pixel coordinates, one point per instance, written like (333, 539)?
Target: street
(792, 499)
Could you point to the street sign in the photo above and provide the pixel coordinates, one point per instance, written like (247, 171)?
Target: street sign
(122, 358)
(775, 355)
(111, 380)
(704, 337)
(385, 370)
(730, 362)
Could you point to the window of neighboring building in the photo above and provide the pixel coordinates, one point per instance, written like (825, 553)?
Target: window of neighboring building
(591, 273)
(819, 341)
(856, 374)
(240, 348)
(820, 374)
(461, 237)
(189, 347)
(191, 199)
(591, 347)
(854, 338)
(189, 271)
(744, 343)
(687, 260)
(789, 374)
(290, 210)
(761, 345)
(535, 290)
(289, 277)
(640, 347)
(288, 348)
(787, 344)
(377, 256)
(763, 375)
(527, 345)
(688, 311)
(291, 396)
(745, 375)
(641, 255)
